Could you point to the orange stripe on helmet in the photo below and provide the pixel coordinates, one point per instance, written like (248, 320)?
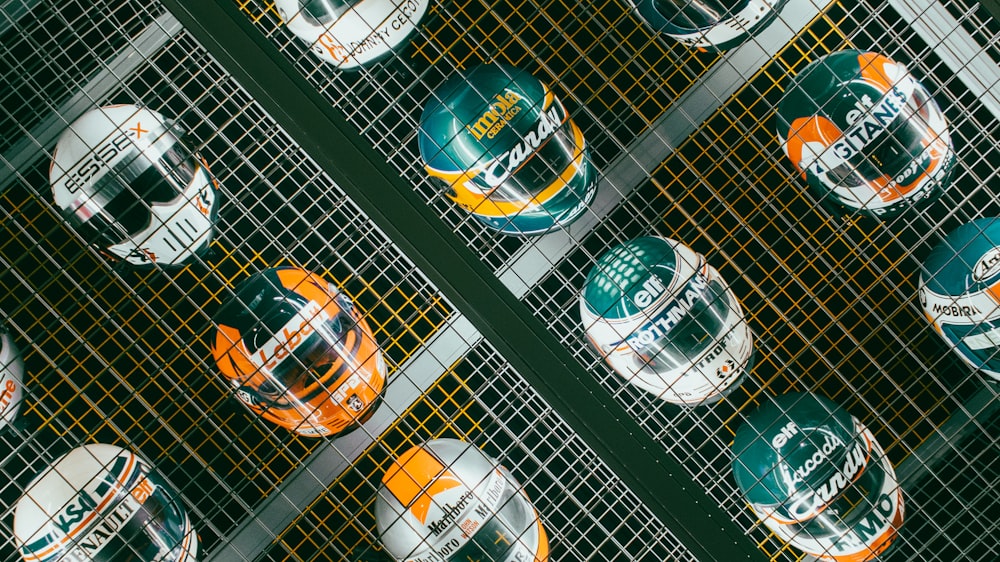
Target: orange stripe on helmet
(812, 129)
(415, 478)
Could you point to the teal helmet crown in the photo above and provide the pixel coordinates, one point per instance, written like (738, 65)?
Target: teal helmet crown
(665, 321)
(816, 477)
(866, 136)
(960, 292)
(714, 25)
(501, 145)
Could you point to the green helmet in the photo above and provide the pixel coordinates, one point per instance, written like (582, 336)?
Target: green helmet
(665, 321)
(817, 478)
(866, 136)
(500, 144)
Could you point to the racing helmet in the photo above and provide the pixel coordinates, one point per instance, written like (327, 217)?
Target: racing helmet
(714, 25)
(817, 478)
(501, 145)
(960, 293)
(299, 353)
(666, 322)
(865, 135)
(447, 501)
(352, 33)
(11, 379)
(103, 504)
(124, 180)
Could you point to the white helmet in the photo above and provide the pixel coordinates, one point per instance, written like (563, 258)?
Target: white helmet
(123, 179)
(445, 500)
(352, 33)
(11, 379)
(102, 503)
(665, 320)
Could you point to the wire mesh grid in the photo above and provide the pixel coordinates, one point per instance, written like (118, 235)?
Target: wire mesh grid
(831, 301)
(586, 510)
(616, 74)
(122, 355)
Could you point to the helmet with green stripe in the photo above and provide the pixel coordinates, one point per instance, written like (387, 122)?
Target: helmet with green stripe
(817, 478)
(500, 144)
(865, 134)
(960, 293)
(666, 322)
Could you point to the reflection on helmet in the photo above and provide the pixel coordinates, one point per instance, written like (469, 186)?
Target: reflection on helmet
(104, 504)
(501, 145)
(11, 379)
(866, 136)
(709, 24)
(352, 33)
(447, 501)
(816, 477)
(960, 293)
(666, 322)
(122, 178)
(299, 353)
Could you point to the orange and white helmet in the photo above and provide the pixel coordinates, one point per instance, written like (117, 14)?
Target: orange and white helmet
(299, 353)
(445, 500)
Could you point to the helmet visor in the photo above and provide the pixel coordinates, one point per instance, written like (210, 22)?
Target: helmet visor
(704, 324)
(501, 536)
(153, 532)
(313, 366)
(519, 178)
(119, 206)
(696, 14)
(324, 12)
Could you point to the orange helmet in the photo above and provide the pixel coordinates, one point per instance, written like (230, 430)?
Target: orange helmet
(299, 353)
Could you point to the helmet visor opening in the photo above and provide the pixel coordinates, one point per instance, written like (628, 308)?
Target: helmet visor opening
(324, 12)
(123, 197)
(846, 510)
(682, 345)
(695, 14)
(502, 535)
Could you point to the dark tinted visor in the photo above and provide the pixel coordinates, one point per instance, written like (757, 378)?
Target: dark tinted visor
(154, 531)
(541, 169)
(701, 327)
(850, 507)
(696, 14)
(324, 12)
(311, 360)
(499, 536)
(125, 194)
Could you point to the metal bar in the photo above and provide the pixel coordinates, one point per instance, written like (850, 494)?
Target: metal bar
(42, 137)
(602, 423)
(625, 175)
(13, 10)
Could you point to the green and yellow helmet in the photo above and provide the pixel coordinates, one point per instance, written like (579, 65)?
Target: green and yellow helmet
(817, 478)
(865, 134)
(501, 145)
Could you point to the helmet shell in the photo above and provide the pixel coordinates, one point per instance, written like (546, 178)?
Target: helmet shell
(816, 477)
(960, 292)
(121, 176)
(446, 500)
(865, 134)
(11, 379)
(299, 353)
(352, 33)
(712, 25)
(666, 322)
(501, 145)
(102, 503)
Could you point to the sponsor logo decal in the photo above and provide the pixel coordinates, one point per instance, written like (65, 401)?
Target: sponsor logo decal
(870, 120)
(651, 288)
(816, 498)
(291, 335)
(500, 169)
(96, 160)
(959, 310)
(505, 106)
(784, 434)
(793, 476)
(988, 265)
(7, 394)
(666, 320)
